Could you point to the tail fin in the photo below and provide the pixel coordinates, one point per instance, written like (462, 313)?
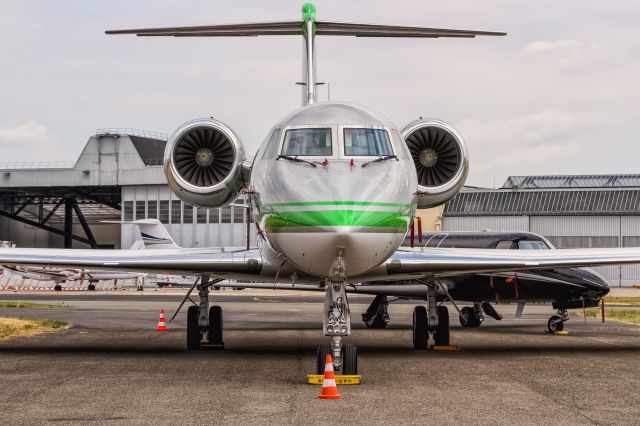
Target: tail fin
(154, 234)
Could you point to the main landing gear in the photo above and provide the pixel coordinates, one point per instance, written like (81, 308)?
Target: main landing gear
(377, 315)
(556, 322)
(431, 320)
(473, 316)
(336, 323)
(204, 323)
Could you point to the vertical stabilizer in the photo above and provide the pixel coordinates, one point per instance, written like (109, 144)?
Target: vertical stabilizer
(154, 235)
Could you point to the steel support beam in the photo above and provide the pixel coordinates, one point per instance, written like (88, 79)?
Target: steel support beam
(84, 224)
(68, 222)
(42, 226)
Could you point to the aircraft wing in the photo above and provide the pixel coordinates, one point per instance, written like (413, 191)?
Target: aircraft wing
(240, 264)
(439, 262)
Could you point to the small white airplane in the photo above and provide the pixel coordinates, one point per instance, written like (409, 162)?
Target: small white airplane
(61, 276)
(333, 191)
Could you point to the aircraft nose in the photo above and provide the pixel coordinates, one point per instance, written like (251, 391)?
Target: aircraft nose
(594, 282)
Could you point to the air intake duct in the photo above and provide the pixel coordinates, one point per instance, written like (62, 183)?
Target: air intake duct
(441, 160)
(203, 163)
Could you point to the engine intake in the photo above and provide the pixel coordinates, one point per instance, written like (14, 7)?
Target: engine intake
(441, 160)
(203, 163)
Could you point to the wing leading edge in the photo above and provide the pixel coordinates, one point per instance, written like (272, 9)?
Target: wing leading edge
(450, 261)
(241, 264)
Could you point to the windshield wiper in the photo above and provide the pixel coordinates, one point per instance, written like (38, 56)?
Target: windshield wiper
(299, 160)
(381, 158)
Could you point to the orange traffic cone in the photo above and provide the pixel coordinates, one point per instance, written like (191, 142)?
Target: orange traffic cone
(329, 388)
(162, 326)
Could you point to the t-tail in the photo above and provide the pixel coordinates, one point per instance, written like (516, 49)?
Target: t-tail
(308, 28)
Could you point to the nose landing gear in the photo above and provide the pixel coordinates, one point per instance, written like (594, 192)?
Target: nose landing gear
(336, 322)
(556, 322)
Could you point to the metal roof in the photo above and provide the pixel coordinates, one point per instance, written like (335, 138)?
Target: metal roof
(572, 181)
(545, 202)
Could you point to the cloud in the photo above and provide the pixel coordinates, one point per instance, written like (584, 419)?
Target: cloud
(570, 55)
(30, 141)
(536, 143)
(30, 131)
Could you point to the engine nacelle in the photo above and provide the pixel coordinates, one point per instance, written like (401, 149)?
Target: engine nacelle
(441, 160)
(203, 163)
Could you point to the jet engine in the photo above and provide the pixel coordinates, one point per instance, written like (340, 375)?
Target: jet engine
(441, 160)
(203, 162)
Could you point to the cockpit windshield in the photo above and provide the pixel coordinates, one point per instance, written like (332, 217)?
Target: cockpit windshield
(307, 142)
(532, 245)
(366, 142)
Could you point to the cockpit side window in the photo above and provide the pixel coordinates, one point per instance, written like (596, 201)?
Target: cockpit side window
(307, 142)
(272, 145)
(366, 142)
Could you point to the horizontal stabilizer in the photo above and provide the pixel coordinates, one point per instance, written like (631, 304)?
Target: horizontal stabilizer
(296, 28)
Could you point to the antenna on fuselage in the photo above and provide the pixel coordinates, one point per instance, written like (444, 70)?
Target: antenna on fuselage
(308, 28)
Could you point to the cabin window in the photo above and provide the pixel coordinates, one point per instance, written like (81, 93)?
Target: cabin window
(307, 142)
(366, 142)
(272, 145)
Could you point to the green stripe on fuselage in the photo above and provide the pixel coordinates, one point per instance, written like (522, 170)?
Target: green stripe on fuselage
(336, 203)
(337, 218)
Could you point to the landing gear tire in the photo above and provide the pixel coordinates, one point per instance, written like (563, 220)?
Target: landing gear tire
(193, 329)
(420, 330)
(441, 335)
(349, 358)
(57, 287)
(215, 326)
(555, 324)
(321, 355)
(91, 287)
(469, 317)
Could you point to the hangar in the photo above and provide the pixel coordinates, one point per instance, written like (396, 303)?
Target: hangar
(118, 176)
(572, 211)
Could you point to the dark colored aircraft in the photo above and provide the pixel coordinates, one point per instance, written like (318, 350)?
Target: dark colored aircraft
(564, 288)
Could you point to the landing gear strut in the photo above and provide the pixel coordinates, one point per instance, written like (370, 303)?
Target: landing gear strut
(431, 320)
(336, 322)
(204, 323)
(377, 315)
(556, 322)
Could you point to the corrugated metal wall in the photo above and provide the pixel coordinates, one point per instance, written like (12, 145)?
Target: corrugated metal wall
(478, 223)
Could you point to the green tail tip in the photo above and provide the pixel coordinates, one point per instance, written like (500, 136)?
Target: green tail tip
(309, 12)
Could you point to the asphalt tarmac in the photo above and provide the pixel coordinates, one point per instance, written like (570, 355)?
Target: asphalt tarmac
(112, 367)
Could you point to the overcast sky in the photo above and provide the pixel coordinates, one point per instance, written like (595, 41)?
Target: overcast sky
(559, 94)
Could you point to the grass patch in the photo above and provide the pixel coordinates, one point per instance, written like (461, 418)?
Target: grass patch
(629, 316)
(622, 300)
(29, 305)
(14, 327)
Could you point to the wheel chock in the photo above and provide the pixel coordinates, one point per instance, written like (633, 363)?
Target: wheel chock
(445, 347)
(316, 379)
(561, 333)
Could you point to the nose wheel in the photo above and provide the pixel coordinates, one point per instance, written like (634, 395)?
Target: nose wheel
(556, 322)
